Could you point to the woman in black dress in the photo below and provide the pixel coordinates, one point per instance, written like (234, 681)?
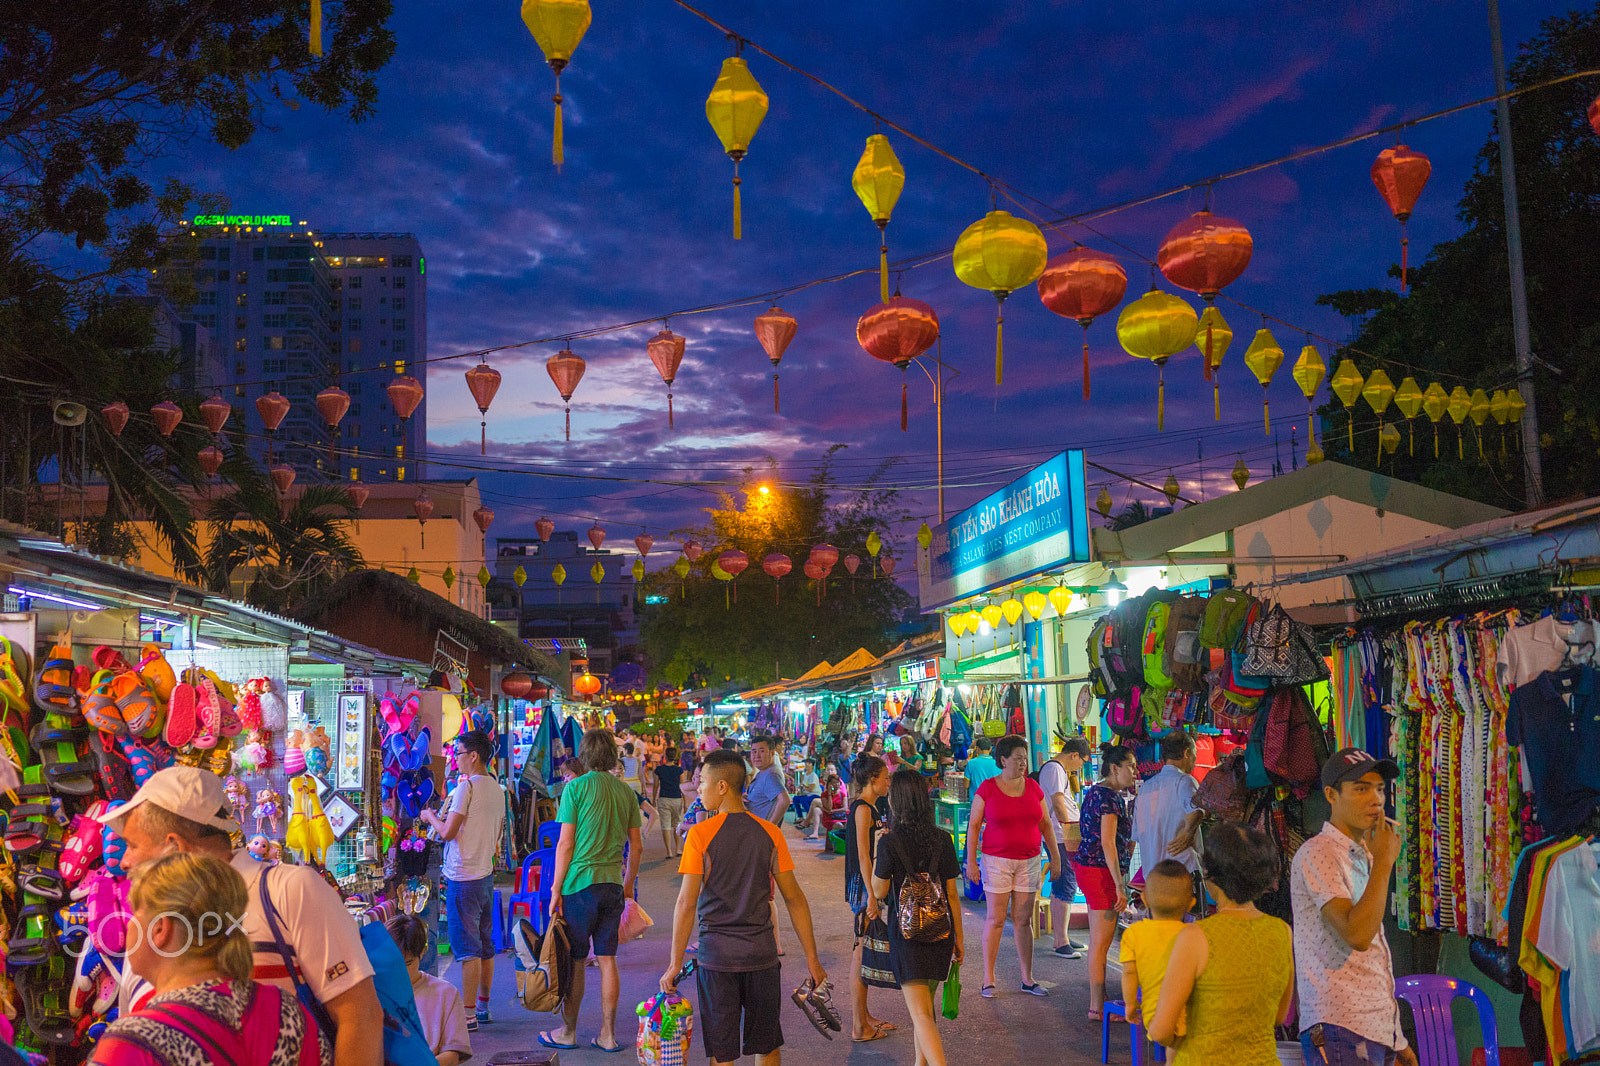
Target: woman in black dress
(915, 845)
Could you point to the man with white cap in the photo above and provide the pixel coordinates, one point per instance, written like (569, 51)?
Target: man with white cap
(185, 809)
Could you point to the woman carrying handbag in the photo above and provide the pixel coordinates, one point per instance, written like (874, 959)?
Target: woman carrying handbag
(918, 875)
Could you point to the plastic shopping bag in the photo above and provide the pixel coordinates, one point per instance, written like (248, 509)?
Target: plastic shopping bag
(952, 992)
(634, 922)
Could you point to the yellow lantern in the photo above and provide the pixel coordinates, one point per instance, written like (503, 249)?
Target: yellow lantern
(1171, 489)
(877, 180)
(449, 577)
(484, 577)
(681, 567)
(1515, 405)
(974, 620)
(1434, 402)
(1500, 410)
(1264, 357)
(413, 577)
(638, 570)
(1035, 602)
(924, 535)
(1378, 392)
(958, 624)
(1012, 609)
(991, 614)
(735, 109)
(1157, 326)
(1458, 407)
(1479, 413)
(1346, 384)
(520, 576)
(1212, 337)
(1060, 598)
(557, 26)
(1102, 503)
(1000, 253)
(1241, 474)
(1314, 454)
(1408, 398)
(558, 574)
(1388, 440)
(597, 572)
(1309, 370)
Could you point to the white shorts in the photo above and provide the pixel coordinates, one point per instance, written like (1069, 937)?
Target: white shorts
(1011, 875)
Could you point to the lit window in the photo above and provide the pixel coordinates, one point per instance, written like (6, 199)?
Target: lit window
(242, 300)
(399, 451)
(399, 366)
(238, 345)
(399, 473)
(272, 344)
(355, 473)
(238, 391)
(243, 277)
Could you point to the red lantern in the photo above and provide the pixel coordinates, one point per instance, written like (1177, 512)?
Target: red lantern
(282, 475)
(214, 412)
(483, 381)
(851, 563)
(333, 403)
(483, 516)
(116, 417)
(692, 550)
(586, 685)
(422, 507)
(1083, 284)
(544, 527)
(666, 352)
(210, 460)
(776, 564)
(733, 563)
(517, 685)
(644, 542)
(1205, 253)
(358, 494)
(1400, 174)
(1594, 114)
(825, 555)
(896, 332)
(818, 573)
(566, 370)
(538, 692)
(167, 415)
(272, 408)
(597, 536)
(775, 329)
(405, 395)
(887, 563)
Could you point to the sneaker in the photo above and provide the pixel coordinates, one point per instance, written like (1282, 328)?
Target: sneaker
(1035, 989)
(1069, 951)
(472, 1024)
(1075, 946)
(481, 1016)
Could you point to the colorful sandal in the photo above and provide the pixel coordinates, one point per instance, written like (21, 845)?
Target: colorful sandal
(37, 942)
(116, 783)
(208, 711)
(44, 997)
(52, 685)
(106, 658)
(136, 704)
(13, 678)
(181, 718)
(83, 845)
(142, 762)
(64, 771)
(157, 672)
(100, 706)
(112, 848)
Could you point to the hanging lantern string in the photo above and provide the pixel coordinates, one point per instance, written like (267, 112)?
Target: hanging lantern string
(1009, 192)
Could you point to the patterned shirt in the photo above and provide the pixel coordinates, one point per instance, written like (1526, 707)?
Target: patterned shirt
(1338, 984)
(1102, 799)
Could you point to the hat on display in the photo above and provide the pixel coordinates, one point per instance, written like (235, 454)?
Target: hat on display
(1352, 764)
(185, 791)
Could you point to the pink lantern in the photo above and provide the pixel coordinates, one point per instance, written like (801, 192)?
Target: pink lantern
(733, 563)
(692, 550)
(776, 564)
(272, 408)
(851, 562)
(818, 573)
(167, 415)
(422, 507)
(597, 536)
(333, 403)
(116, 417)
(358, 494)
(214, 412)
(825, 555)
(666, 352)
(544, 527)
(210, 460)
(484, 517)
(566, 370)
(283, 477)
(644, 542)
(888, 565)
(775, 329)
(405, 395)
(483, 381)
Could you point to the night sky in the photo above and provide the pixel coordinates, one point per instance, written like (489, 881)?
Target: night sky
(1079, 105)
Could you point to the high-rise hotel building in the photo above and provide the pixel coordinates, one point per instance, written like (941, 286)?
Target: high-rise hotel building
(295, 310)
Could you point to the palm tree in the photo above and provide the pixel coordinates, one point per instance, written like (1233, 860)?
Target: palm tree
(292, 553)
(1136, 513)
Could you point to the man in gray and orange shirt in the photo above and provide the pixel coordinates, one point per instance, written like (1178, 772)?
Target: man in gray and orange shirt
(731, 863)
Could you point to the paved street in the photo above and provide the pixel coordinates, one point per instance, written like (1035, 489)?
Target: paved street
(1011, 1028)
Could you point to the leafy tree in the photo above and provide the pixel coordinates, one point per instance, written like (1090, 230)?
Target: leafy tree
(1455, 325)
(91, 92)
(702, 634)
(294, 552)
(1135, 514)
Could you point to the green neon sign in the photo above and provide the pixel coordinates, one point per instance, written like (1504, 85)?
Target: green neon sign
(241, 220)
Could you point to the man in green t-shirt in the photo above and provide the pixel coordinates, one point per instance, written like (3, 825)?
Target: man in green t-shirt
(598, 815)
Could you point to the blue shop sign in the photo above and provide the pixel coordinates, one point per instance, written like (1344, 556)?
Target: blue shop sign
(1037, 522)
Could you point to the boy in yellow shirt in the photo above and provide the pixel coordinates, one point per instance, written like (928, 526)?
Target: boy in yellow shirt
(1169, 893)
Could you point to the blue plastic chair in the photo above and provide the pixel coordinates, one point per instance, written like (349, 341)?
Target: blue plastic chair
(1430, 996)
(549, 834)
(534, 903)
(1115, 1009)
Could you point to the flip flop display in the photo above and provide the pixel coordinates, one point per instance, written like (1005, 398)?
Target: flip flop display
(157, 673)
(100, 706)
(136, 704)
(181, 712)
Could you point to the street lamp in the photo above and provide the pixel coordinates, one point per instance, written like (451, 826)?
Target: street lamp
(1112, 589)
(937, 381)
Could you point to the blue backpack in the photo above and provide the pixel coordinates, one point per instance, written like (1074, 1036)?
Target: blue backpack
(404, 1042)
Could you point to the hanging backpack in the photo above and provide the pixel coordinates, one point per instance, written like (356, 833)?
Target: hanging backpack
(1100, 681)
(1293, 746)
(1224, 618)
(1182, 654)
(1153, 651)
(1125, 714)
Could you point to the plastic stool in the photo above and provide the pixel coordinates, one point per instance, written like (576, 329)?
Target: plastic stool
(1136, 1040)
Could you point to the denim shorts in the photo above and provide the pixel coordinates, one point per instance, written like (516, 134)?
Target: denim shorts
(469, 914)
(1065, 887)
(1341, 1047)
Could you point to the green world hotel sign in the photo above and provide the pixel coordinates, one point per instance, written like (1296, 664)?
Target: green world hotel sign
(242, 220)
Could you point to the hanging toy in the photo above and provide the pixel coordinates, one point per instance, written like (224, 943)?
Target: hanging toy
(250, 705)
(294, 757)
(260, 848)
(238, 799)
(274, 712)
(269, 808)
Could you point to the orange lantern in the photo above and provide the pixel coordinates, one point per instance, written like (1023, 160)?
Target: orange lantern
(167, 415)
(1205, 253)
(597, 536)
(210, 460)
(116, 417)
(586, 685)
(272, 408)
(544, 527)
(484, 381)
(775, 328)
(666, 352)
(333, 403)
(897, 332)
(405, 396)
(517, 685)
(214, 413)
(1083, 284)
(282, 475)
(1400, 174)
(484, 517)
(566, 370)
(358, 494)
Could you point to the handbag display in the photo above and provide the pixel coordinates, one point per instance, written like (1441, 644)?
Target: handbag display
(1278, 647)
